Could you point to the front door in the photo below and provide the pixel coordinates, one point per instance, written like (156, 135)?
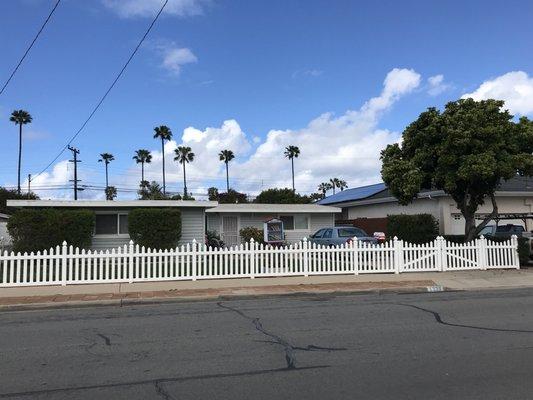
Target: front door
(230, 230)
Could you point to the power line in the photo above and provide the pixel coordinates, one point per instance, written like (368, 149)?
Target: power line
(29, 48)
(107, 91)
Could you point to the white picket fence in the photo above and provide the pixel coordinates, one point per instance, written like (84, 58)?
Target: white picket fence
(66, 265)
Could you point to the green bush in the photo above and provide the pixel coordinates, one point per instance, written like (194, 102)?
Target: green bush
(248, 233)
(157, 228)
(523, 250)
(35, 230)
(417, 228)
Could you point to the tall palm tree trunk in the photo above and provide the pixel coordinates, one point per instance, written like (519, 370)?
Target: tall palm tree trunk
(227, 177)
(142, 171)
(292, 165)
(106, 176)
(20, 157)
(184, 182)
(163, 153)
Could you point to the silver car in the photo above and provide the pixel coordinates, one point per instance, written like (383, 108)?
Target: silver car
(339, 235)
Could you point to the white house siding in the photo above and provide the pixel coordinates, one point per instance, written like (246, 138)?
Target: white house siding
(256, 220)
(446, 212)
(5, 239)
(192, 225)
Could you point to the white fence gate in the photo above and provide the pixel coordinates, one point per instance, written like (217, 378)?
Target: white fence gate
(66, 265)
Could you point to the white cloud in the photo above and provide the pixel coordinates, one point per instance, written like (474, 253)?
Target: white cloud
(515, 88)
(346, 146)
(436, 85)
(148, 8)
(173, 58)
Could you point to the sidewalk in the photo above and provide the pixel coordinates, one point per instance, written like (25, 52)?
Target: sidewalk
(124, 293)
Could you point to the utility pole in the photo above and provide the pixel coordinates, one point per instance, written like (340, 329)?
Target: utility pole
(29, 183)
(75, 160)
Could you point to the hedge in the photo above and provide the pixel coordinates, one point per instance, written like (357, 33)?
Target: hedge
(156, 228)
(417, 228)
(37, 230)
(248, 233)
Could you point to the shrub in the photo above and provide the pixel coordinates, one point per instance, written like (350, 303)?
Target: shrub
(34, 230)
(157, 228)
(417, 228)
(6, 194)
(248, 233)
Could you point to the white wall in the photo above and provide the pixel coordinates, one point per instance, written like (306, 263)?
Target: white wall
(381, 210)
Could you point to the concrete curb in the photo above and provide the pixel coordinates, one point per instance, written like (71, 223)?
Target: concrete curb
(227, 297)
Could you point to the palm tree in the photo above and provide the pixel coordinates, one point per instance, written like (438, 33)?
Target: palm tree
(292, 152)
(226, 156)
(20, 117)
(342, 184)
(163, 132)
(142, 156)
(324, 187)
(184, 155)
(106, 158)
(334, 183)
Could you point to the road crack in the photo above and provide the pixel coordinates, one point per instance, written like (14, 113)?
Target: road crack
(439, 320)
(288, 348)
(160, 390)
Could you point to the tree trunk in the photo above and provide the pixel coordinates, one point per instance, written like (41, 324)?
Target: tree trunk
(292, 165)
(106, 176)
(184, 181)
(142, 172)
(20, 157)
(227, 178)
(471, 230)
(163, 154)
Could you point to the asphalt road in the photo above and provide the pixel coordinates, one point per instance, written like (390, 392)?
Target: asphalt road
(468, 345)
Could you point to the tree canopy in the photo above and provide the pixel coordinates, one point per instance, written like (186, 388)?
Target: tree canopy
(281, 196)
(466, 151)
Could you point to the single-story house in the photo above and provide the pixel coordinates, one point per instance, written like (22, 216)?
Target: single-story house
(111, 223)
(111, 227)
(299, 220)
(368, 206)
(5, 239)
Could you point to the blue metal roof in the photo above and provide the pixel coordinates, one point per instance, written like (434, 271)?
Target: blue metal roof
(353, 194)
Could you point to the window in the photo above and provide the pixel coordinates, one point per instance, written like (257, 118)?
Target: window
(351, 232)
(301, 222)
(319, 234)
(288, 222)
(327, 234)
(295, 222)
(111, 224)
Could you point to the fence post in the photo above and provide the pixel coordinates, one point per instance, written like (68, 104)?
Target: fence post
(516, 256)
(251, 253)
(398, 255)
(130, 262)
(305, 247)
(193, 253)
(439, 252)
(64, 264)
(443, 254)
(482, 258)
(355, 255)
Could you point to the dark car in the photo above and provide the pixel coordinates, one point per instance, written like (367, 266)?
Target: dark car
(339, 235)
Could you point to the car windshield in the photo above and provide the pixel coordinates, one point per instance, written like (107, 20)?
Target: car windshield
(351, 232)
(509, 228)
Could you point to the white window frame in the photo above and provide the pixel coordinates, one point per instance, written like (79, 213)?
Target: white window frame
(112, 235)
(308, 216)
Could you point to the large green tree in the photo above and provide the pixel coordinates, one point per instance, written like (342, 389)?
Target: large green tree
(281, 196)
(466, 151)
(20, 117)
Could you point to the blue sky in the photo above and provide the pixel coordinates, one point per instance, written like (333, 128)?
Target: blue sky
(251, 76)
